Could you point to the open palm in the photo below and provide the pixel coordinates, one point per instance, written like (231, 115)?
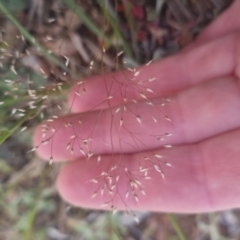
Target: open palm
(133, 147)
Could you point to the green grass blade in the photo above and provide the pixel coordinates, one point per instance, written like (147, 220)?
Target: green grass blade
(115, 28)
(31, 215)
(130, 20)
(176, 227)
(85, 20)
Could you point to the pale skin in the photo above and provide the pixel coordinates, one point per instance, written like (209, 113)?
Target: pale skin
(203, 82)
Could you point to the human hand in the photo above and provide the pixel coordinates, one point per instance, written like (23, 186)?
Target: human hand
(126, 120)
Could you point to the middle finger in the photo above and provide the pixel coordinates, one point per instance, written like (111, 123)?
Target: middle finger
(192, 115)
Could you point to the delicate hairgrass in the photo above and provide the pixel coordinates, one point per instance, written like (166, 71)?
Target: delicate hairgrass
(154, 161)
(30, 113)
(31, 39)
(8, 101)
(7, 133)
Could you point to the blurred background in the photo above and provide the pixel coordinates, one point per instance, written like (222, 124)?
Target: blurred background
(44, 47)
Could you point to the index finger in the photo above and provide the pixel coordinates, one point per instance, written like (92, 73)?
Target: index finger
(211, 60)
